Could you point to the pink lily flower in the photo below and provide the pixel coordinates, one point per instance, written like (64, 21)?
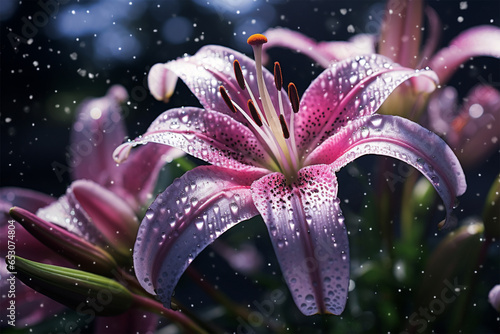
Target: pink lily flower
(275, 155)
(401, 40)
(99, 207)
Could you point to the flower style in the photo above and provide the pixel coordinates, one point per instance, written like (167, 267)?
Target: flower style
(99, 208)
(275, 155)
(401, 41)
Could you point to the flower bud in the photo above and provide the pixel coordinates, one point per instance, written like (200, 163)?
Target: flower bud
(111, 215)
(76, 289)
(76, 249)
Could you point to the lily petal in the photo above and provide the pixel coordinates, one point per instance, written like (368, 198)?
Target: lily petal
(433, 36)
(211, 67)
(67, 213)
(494, 297)
(473, 42)
(346, 91)
(309, 236)
(140, 173)
(26, 198)
(324, 53)
(98, 129)
(190, 214)
(161, 82)
(204, 134)
(401, 31)
(401, 139)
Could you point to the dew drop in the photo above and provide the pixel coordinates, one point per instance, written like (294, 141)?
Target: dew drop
(234, 208)
(150, 214)
(365, 132)
(174, 125)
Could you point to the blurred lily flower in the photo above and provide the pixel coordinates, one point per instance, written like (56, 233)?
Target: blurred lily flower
(473, 129)
(275, 155)
(494, 297)
(401, 40)
(95, 222)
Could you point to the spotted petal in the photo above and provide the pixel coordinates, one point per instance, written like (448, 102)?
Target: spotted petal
(207, 135)
(190, 214)
(346, 91)
(401, 139)
(209, 68)
(477, 41)
(309, 237)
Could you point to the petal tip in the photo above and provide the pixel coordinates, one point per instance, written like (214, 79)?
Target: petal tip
(122, 152)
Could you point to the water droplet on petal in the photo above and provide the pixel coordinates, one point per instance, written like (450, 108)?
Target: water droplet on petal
(150, 214)
(234, 208)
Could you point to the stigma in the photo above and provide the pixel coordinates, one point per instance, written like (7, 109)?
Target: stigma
(271, 125)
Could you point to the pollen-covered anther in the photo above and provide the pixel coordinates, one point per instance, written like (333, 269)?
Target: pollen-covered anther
(227, 99)
(284, 127)
(278, 77)
(293, 95)
(238, 74)
(253, 112)
(257, 39)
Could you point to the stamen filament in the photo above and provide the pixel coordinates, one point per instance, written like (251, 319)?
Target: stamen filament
(268, 140)
(269, 112)
(293, 145)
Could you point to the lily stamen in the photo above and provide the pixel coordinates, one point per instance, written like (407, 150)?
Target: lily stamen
(293, 95)
(278, 77)
(253, 112)
(227, 99)
(284, 127)
(255, 121)
(238, 74)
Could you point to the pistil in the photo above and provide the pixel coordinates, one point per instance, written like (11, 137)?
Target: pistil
(269, 124)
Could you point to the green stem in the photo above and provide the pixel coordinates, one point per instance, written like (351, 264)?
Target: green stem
(221, 298)
(179, 318)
